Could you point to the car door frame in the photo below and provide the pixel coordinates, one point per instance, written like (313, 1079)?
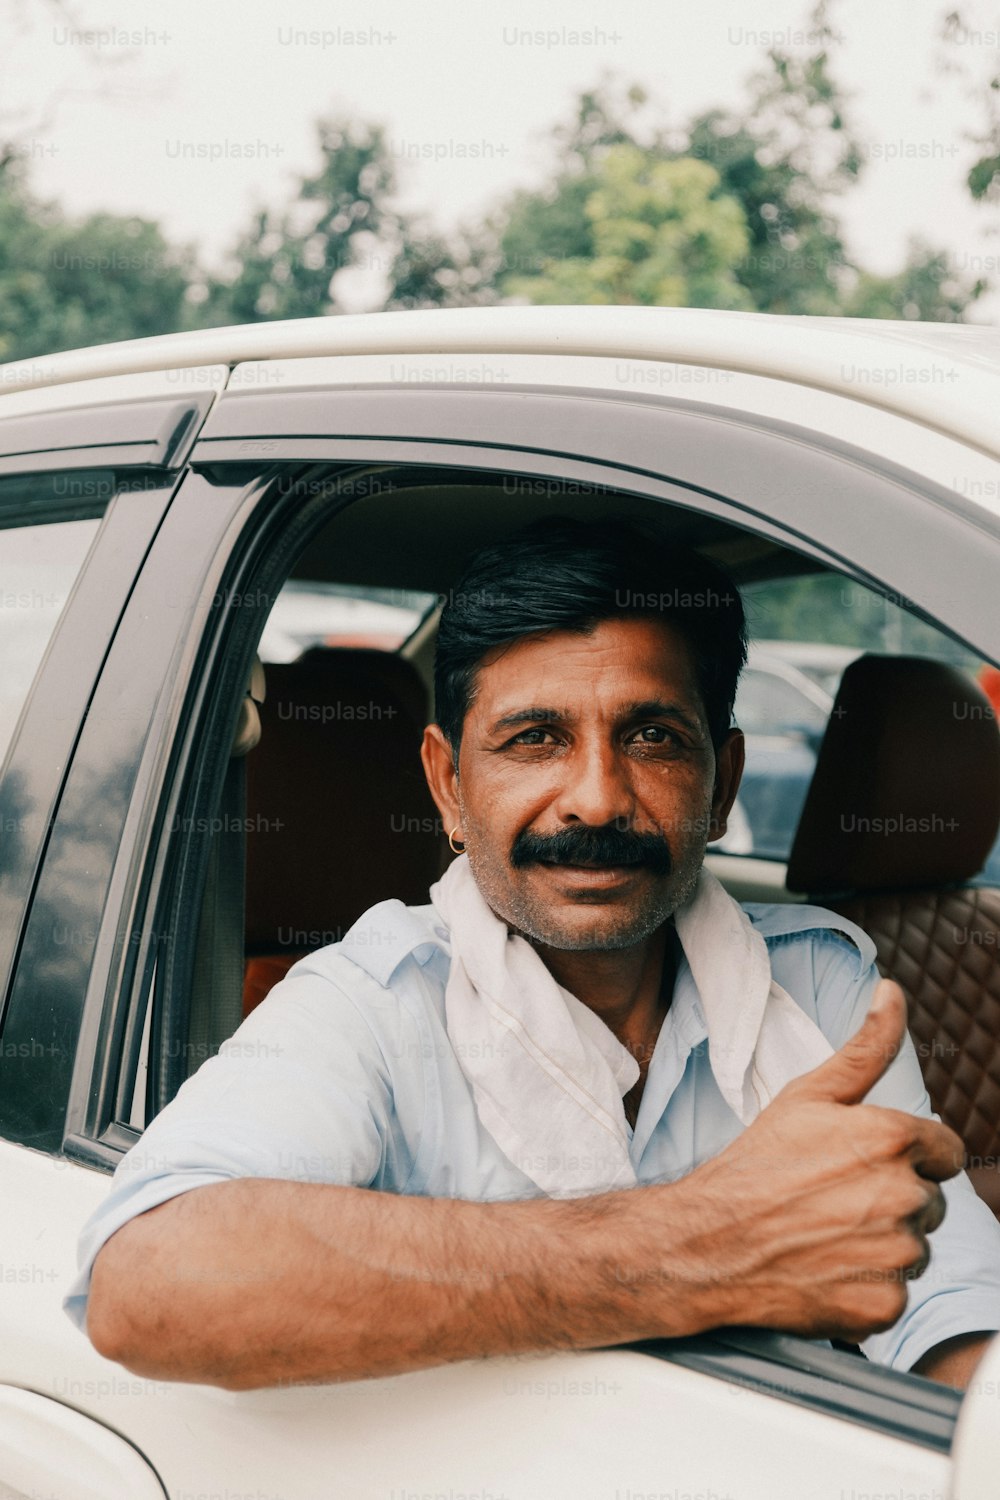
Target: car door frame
(182, 623)
(143, 443)
(185, 619)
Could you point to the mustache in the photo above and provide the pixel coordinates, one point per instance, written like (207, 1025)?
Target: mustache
(606, 846)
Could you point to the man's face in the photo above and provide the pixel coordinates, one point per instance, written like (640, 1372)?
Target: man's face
(587, 783)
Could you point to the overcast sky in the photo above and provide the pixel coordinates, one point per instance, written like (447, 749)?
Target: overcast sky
(468, 94)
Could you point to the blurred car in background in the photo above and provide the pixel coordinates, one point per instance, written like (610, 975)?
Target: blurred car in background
(336, 615)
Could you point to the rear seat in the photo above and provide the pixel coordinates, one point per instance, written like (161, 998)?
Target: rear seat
(901, 814)
(338, 812)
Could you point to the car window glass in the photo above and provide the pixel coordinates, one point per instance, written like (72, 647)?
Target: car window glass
(804, 632)
(40, 558)
(309, 612)
(770, 703)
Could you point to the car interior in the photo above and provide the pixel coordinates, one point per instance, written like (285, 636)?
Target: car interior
(899, 819)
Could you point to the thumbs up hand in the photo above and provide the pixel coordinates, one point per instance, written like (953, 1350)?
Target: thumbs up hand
(820, 1211)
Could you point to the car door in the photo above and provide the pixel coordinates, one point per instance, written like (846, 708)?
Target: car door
(85, 480)
(151, 758)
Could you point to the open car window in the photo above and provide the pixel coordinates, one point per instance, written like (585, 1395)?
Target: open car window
(337, 763)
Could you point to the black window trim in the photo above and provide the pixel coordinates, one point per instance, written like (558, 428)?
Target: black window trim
(826, 1380)
(48, 729)
(153, 431)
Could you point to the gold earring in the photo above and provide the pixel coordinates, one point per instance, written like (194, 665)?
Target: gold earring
(455, 848)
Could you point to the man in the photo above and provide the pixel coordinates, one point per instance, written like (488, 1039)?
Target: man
(580, 1098)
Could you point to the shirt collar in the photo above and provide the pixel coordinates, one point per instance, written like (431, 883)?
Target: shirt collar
(388, 933)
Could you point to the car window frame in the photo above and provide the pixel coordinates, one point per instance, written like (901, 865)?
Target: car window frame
(144, 442)
(41, 746)
(418, 427)
(730, 451)
(228, 568)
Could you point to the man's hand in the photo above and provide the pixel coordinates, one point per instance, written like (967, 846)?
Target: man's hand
(826, 1204)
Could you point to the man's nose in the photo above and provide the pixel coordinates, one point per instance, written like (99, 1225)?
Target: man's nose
(596, 787)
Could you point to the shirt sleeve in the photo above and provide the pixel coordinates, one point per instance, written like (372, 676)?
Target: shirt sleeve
(301, 1091)
(959, 1291)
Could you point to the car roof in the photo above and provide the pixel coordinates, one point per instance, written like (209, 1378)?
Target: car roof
(941, 374)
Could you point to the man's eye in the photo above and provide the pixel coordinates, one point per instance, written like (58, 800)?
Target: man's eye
(656, 734)
(531, 737)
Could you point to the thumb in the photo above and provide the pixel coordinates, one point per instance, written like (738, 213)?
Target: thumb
(846, 1077)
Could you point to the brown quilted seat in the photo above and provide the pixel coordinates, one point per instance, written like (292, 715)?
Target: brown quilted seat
(944, 949)
(902, 811)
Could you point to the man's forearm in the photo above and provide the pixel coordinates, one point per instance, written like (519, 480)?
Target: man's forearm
(260, 1282)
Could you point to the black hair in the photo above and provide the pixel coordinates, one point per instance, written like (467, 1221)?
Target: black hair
(562, 574)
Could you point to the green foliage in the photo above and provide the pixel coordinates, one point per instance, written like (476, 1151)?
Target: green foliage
(926, 288)
(795, 261)
(631, 214)
(431, 271)
(67, 283)
(286, 262)
(541, 229)
(958, 28)
(827, 608)
(984, 177)
(777, 162)
(734, 209)
(659, 234)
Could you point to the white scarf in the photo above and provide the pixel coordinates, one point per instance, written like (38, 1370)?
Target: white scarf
(548, 1076)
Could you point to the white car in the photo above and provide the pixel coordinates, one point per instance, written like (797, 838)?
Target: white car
(157, 498)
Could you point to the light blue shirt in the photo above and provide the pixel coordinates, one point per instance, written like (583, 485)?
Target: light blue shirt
(346, 1074)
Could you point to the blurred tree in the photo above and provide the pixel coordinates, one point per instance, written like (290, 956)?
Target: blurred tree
(659, 234)
(67, 283)
(429, 269)
(974, 31)
(785, 156)
(795, 261)
(926, 288)
(285, 265)
(533, 231)
(735, 209)
(825, 607)
(611, 225)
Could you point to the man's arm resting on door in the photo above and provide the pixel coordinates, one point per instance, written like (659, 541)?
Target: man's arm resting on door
(807, 1222)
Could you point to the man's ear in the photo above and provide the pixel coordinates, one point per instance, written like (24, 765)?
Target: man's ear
(442, 777)
(729, 762)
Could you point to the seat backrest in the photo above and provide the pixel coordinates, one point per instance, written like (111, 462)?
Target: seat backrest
(901, 813)
(339, 816)
(943, 948)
